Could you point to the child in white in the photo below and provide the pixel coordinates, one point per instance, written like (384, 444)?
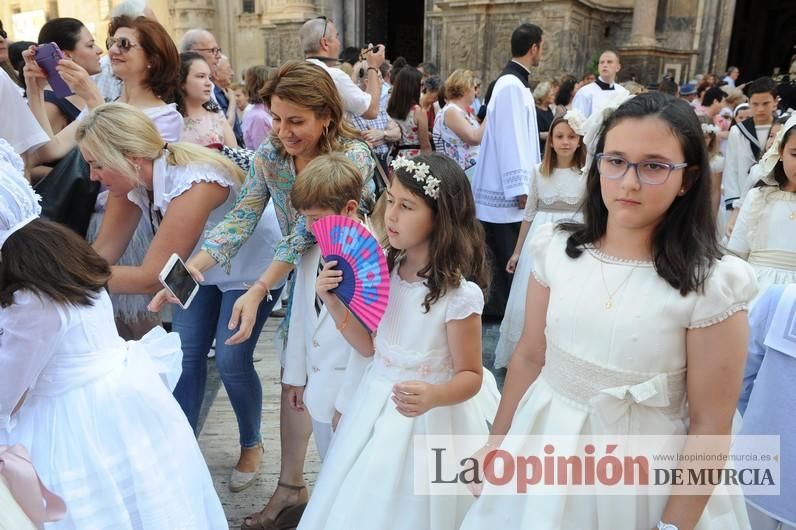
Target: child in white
(557, 187)
(765, 233)
(101, 427)
(322, 369)
(426, 374)
(630, 317)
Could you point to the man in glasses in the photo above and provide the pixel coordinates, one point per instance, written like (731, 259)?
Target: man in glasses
(321, 44)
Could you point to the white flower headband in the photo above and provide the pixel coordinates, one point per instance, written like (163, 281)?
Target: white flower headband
(709, 128)
(421, 173)
(576, 121)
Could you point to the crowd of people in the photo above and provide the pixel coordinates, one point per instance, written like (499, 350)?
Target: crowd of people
(633, 241)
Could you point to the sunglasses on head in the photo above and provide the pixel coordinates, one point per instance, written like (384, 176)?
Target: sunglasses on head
(325, 24)
(123, 43)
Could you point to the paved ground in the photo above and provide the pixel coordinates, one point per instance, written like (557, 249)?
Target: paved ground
(219, 434)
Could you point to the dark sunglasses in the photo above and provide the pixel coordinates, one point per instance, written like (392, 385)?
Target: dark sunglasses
(3, 33)
(123, 43)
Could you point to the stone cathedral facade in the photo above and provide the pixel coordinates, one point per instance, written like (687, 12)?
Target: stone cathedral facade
(654, 37)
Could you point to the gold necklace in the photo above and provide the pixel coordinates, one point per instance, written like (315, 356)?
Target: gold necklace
(610, 302)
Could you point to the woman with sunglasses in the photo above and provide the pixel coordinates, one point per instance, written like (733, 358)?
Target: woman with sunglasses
(145, 58)
(142, 55)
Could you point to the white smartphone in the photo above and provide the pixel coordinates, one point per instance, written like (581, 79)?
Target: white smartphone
(178, 281)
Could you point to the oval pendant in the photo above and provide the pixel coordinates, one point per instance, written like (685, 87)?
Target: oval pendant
(608, 304)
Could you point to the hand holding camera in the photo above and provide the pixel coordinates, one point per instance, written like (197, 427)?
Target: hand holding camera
(374, 55)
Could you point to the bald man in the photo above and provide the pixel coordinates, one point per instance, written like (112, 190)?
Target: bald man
(596, 95)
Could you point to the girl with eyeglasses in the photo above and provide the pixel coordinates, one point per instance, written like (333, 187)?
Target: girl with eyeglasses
(635, 324)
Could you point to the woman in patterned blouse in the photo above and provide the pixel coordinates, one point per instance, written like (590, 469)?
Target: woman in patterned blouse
(308, 120)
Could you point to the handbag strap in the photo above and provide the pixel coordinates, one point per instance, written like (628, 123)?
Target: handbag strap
(39, 504)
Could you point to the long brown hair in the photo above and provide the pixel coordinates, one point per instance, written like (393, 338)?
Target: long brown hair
(457, 248)
(550, 159)
(310, 86)
(51, 261)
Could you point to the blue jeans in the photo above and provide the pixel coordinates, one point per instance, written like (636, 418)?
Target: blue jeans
(206, 319)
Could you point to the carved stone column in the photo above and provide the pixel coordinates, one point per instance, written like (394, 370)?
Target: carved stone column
(643, 30)
(190, 14)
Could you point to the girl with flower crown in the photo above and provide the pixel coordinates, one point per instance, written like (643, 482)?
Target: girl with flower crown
(427, 382)
(556, 192)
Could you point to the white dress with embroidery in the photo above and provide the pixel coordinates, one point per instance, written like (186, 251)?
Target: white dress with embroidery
(102, 428)
(612, 371)
(551, 199)
(367, 479)
(765, 235)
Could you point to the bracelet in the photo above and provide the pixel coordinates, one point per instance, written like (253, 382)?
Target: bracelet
(268, 297)
(344, 324)
(374, 69)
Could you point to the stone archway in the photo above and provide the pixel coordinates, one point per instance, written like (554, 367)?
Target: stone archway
(399, 25)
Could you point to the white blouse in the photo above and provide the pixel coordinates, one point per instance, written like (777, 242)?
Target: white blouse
(169, 182)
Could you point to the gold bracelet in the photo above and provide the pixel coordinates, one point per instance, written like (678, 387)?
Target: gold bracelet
(342, 326)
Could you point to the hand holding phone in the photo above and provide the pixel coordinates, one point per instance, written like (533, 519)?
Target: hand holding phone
(47, 57)
(178, 281)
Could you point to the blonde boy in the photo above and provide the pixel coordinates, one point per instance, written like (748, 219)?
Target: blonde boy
(321, 368)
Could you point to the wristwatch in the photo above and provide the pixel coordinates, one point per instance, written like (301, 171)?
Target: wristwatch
(666, 526)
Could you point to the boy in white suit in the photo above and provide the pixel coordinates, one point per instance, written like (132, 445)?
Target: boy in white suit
(321, 368)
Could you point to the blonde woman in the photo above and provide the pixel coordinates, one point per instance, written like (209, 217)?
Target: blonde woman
(456, 130)
(182, 190)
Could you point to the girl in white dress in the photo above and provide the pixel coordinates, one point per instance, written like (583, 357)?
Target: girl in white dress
(426, 376)
(635, 324)
(102, 428)
(765, 233)
(556, 191)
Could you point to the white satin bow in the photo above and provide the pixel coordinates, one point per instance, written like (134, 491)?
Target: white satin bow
(622, 402)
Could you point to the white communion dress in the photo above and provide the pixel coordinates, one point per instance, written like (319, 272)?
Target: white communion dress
(367, 479)
(765, 235)
(99, 420)
(618, 370)
(551, 199)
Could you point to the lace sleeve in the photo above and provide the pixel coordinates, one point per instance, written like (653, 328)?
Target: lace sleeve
(729, 289)
(468, 299)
